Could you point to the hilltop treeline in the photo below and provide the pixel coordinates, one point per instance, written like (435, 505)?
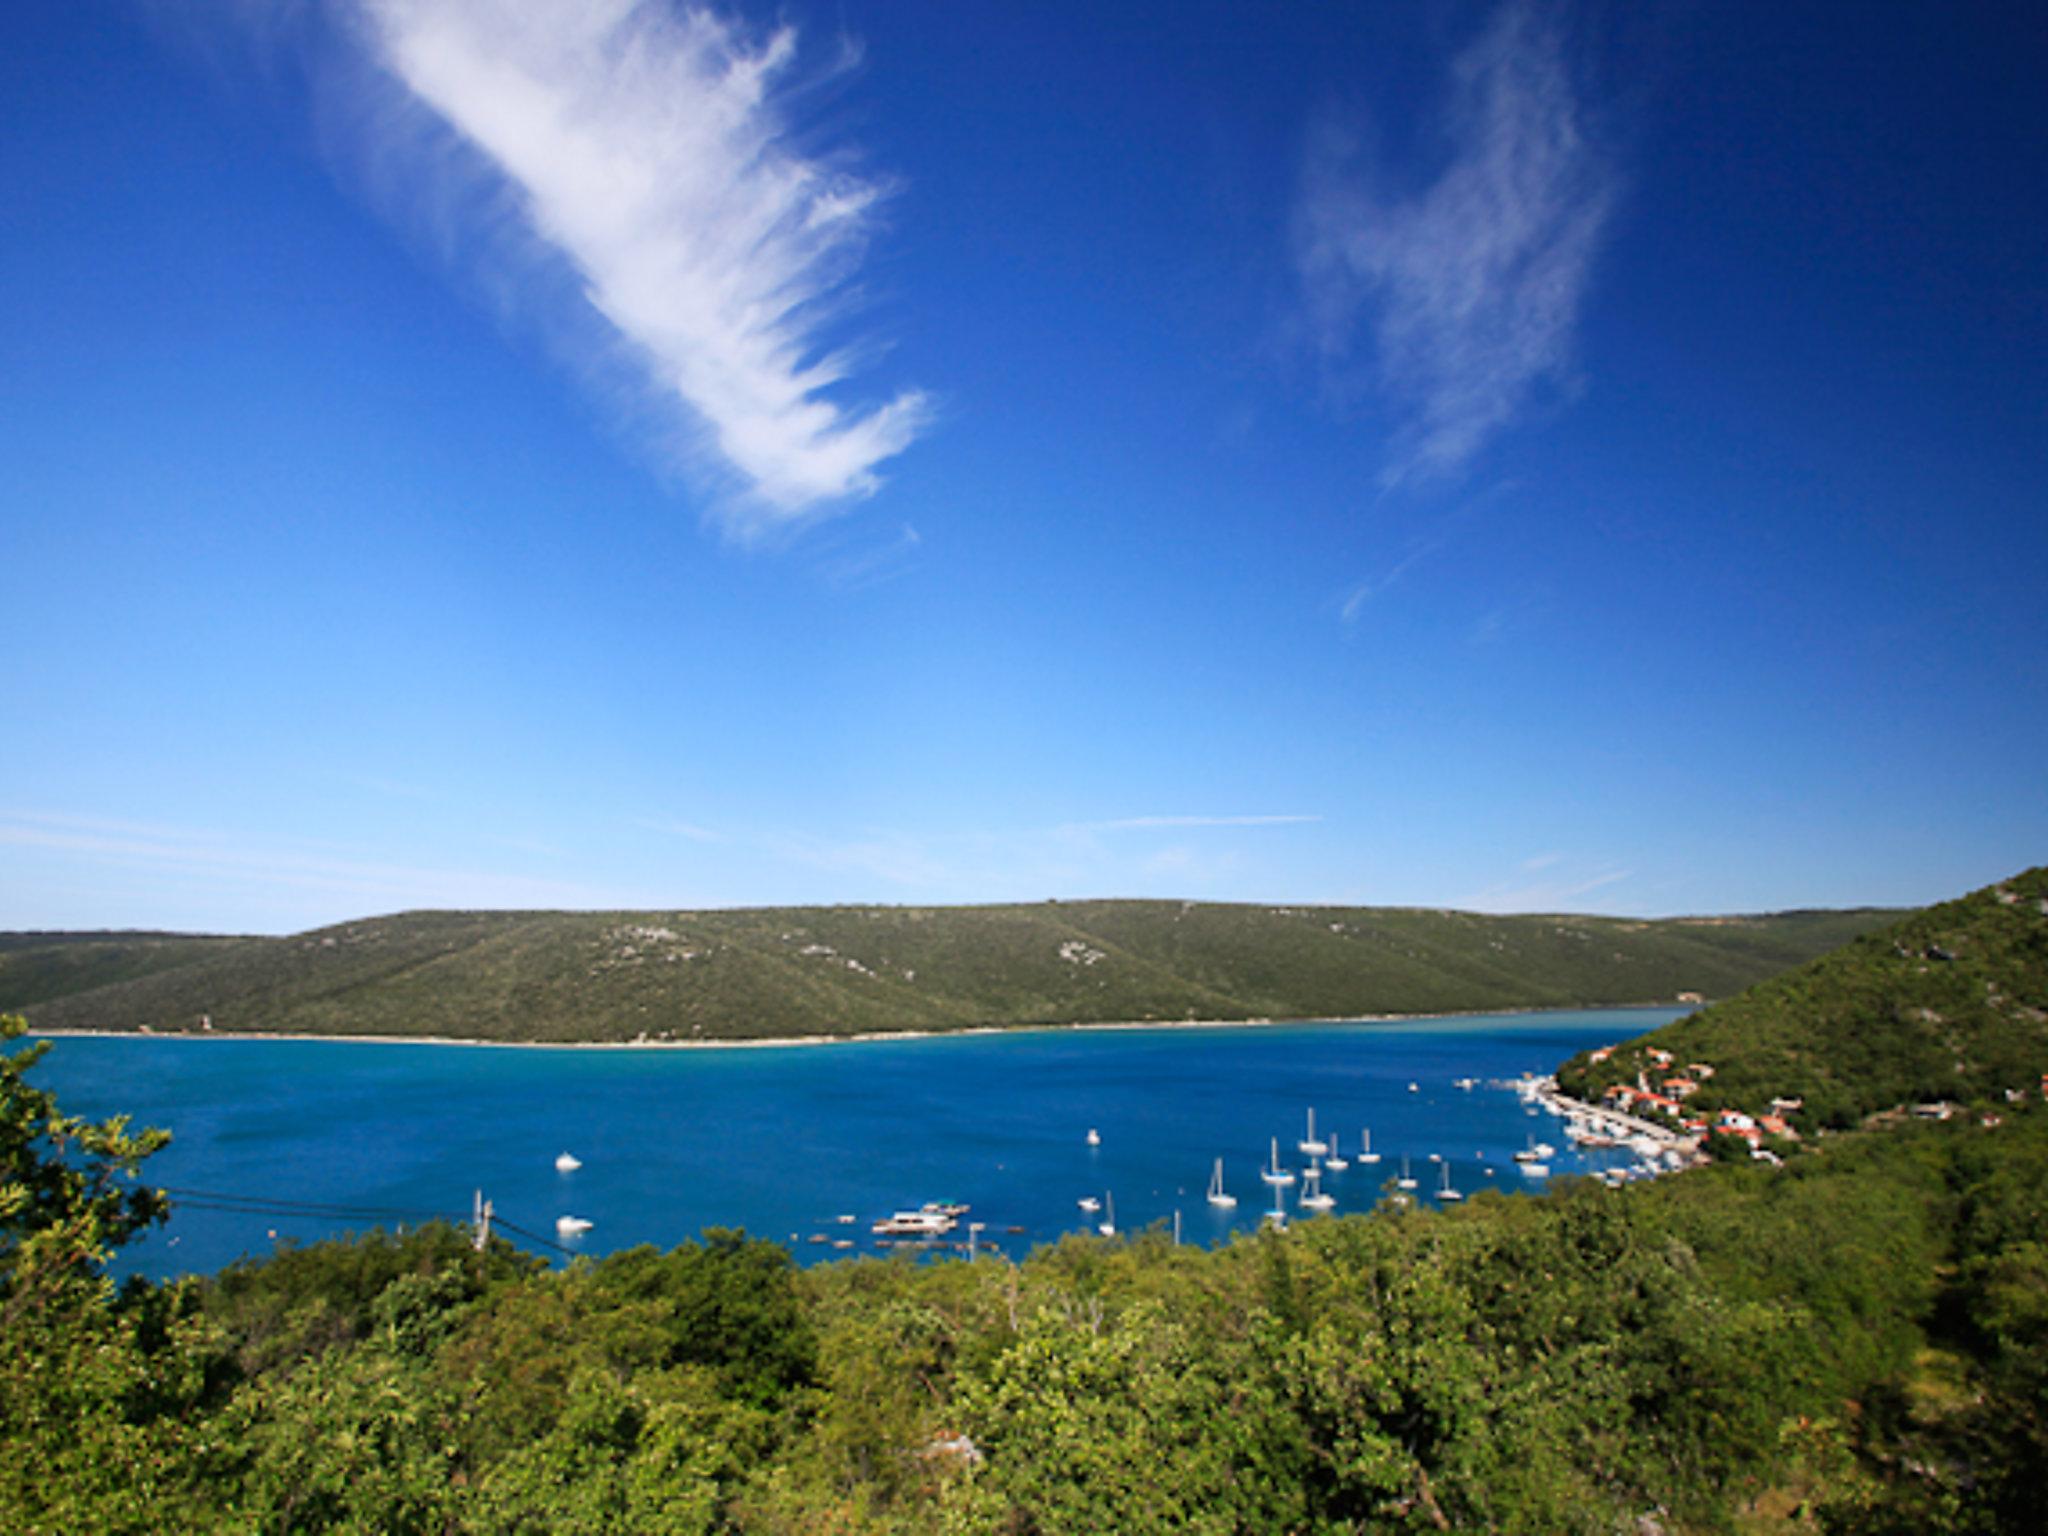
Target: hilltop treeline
(1855, 1343)
(553, 976)
(1950, 1003)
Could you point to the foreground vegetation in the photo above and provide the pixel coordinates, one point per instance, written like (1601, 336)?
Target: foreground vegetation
(1855, 1342)
(843, 970)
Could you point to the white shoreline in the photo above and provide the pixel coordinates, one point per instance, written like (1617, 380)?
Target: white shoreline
(861, 1038)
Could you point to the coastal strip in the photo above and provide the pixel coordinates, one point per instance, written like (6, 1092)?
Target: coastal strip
(759, 1042)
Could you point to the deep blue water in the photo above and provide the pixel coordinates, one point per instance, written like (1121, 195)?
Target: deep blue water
(782, 1141)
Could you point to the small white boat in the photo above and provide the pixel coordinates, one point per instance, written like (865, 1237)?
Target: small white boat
(1406, 1181)
(1276, 1218)
(1107, 1226)
(1444, 1191)
(1468, 1083)
(568, 1162)
(1531, 1167)
(1273, 1173)
(1335, 1162)
(1089, 1204)
(1414, 1088)
(1218, 1196)
(1366, 1153)
(572, 1226)
(914, 1224)
(1436, 1157)
(1312, 1196)
(1094, 1137)
(1309, 1145)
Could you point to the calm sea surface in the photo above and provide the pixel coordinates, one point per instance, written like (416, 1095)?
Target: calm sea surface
(782, 1142)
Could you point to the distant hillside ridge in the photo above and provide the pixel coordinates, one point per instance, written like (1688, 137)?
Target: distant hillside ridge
(36, 967)
(834, 971)
(1948, 1004)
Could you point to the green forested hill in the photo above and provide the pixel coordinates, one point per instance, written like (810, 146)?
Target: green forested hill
(35, 967)
(1949, 1003)
(844, 970)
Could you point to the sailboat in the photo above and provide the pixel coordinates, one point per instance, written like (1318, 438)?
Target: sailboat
(1273, 1173)
(1312, 1196)
(1309, 1145)
(1334, 1162)
(1276, 1218)
(1444, 1191)
(1366, 1154)
(1406, 1181)
(1107, 1226)
(1218, 1196)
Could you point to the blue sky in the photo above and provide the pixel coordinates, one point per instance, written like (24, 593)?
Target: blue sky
(1526, 457)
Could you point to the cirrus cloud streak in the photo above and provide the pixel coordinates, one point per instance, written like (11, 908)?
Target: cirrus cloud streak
(1473, 284)
(655, 153)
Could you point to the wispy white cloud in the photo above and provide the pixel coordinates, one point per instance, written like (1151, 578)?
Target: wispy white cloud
(656, 152)
(1555, 894)
(289, 873)
(1149, 823)
(683, 829)
(1470, 288)
(1014, 863)
(870, 559)
(1362, 594)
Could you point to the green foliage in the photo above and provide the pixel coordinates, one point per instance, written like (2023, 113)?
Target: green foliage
(36, 967)
(63, 1203)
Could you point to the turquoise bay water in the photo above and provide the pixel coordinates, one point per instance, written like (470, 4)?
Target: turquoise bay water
(783, 1141)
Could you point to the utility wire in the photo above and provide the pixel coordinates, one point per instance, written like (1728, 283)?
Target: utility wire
(304, 1207)
(221, 1203)
(533, 1237)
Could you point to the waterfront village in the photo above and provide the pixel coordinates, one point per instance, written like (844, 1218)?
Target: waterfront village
(1667, 1099)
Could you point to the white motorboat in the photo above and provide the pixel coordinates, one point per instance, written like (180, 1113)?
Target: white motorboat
(914, 1224)
(572, 1226)
(1094, 1137)
(1089, 1204)
(568, 1162)
(1218, 1196)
